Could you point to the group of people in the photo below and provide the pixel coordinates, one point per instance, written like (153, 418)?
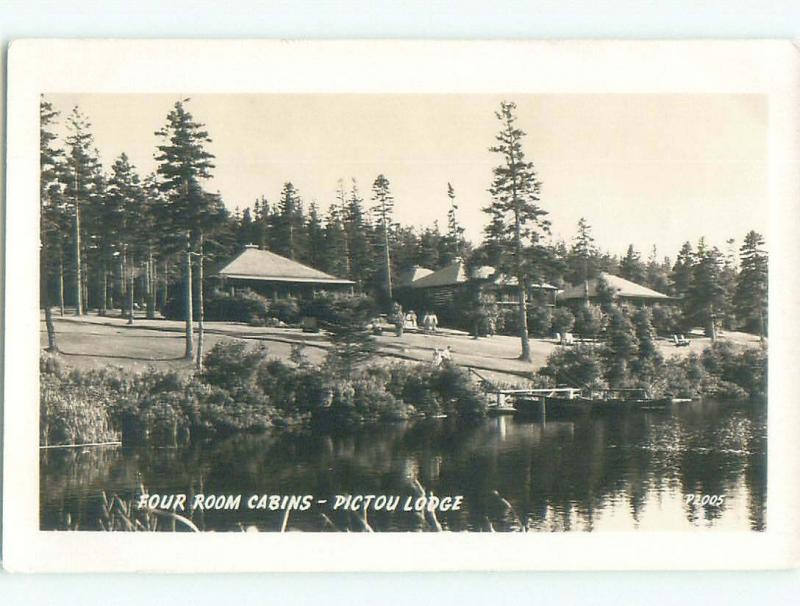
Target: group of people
(430, 322)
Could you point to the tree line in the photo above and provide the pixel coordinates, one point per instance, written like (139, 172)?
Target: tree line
(112, 238)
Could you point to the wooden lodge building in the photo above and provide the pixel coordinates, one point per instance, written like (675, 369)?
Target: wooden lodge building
(437, 291)
(274, 276)
(622, 290)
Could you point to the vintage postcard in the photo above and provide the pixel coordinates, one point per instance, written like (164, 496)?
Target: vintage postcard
(401, 306)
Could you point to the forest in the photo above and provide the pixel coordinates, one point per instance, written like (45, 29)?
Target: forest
(113, 239)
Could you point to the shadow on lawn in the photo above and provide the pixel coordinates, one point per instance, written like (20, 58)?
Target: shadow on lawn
(118, 357)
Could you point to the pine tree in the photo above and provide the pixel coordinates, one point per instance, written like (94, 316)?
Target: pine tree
(358, 242)
(336, 257)
(681, 276)
(656, 272)
(631, 267)
(125, 208)
(289, 226)
(582, 254)
(455, 244)
(383, 207)
(706, 294)
(183, 165)
(83, 178)
(516, 219)
(428, 249)
(315, 253)
(51, 204)
(622, 347)
(752, 283)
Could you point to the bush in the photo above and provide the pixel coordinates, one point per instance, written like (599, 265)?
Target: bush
(667, 320)
(588, 321)
(243, 306)
(73, 413)
(562, 320)
(286, 310)
(232, 365)
(579, 366)
(540, 318)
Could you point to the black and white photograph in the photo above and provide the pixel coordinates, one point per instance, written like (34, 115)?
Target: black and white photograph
(402, 311)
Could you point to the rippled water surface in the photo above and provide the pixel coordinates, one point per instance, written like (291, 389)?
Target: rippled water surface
(644, 470)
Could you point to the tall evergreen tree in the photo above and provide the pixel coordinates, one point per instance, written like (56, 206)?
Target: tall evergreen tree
(289, 225)
(706, 295)
(83, 179)
(752, 284)
(681, 277)
(183, 165)
(125, 204)
(516, 219)
(455, 243)
(51, 206)
(582, 264)
(631, 266)
(335, 256)
(383, 208)
(657, 272)
(358, 241)
(315, 251)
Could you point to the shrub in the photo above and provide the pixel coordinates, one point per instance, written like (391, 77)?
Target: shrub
(232, 365)
(562, 320)
(540, 318)
(588, 321)
(74, 413)
(286, 310)
(243, 306)
(579, 366)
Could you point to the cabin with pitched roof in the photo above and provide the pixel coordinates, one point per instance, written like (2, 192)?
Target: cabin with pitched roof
(437, 291)
(274, 276)
(621, 290)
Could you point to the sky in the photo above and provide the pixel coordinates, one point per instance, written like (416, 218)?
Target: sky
(642, 169)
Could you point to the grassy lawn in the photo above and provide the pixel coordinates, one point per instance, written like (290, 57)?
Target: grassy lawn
(93, 341)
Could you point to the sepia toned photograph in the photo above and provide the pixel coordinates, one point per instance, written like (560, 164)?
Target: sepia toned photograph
(394, 306)
(478, 313)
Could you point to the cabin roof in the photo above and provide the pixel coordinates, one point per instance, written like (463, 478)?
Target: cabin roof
(456, 273)
(622, 288)
(449, 275)
(255, 264)
(415, 272)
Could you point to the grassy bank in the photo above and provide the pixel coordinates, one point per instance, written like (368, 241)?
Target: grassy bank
(241, 389)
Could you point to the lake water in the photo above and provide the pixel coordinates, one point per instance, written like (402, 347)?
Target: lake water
(647, 470)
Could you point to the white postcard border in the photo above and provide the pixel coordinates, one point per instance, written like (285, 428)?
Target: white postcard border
(191, 67)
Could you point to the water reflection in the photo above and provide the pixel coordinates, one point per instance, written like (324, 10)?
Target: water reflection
(614, 472)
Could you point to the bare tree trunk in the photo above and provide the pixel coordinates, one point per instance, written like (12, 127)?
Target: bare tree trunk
(200, 311)
(523, 321)
(45, 293)
(104, 309)
(150, 285)
(165, 282)
(187, 287)
(121, 283)
(85, 279)
(78, 280)
(131, 279)
(388, 260)
(52, 347)
(61, 278)
(103, 288)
